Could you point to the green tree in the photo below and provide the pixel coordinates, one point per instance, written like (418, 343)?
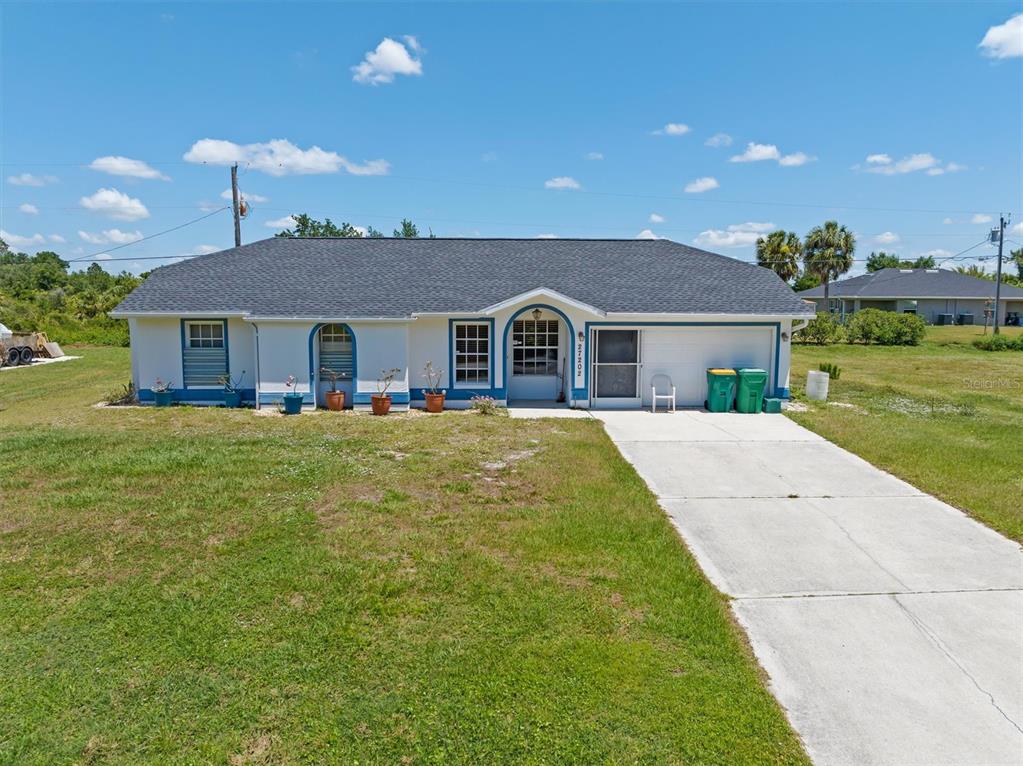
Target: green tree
(1016, 256)
(973, 270)
(305, 226)
(374, 233)
(805, 281)
(408, 230)
(779, 251)
(882, 260)
(828, 252)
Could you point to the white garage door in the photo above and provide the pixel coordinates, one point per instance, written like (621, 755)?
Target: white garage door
(685, 353)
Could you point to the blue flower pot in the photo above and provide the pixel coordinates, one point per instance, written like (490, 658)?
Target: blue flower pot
(163, 398)
(232, 399)
(292, 404)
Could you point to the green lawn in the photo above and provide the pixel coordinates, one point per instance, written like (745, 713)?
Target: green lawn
(943, 415)
(205, 586)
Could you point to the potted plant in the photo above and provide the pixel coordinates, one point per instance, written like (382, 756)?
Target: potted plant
(335, 398)
(163, 393)
(292, 399)
(434, 395)
(232, 396)
(381, 401)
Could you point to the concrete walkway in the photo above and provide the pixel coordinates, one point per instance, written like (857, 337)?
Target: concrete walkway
(890, 624)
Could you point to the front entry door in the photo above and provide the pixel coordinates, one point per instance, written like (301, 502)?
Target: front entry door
(615, 368)
(536, 362)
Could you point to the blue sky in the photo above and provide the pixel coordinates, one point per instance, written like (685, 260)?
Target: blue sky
(525, 120)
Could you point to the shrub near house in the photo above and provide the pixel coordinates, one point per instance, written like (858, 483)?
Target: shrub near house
(822, 330)
(885, 328)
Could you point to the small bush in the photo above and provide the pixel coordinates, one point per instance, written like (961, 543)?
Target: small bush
(833, 370)
(484, 405)
(122, 396)
(823, 330)
(885, 328)
(999, 343)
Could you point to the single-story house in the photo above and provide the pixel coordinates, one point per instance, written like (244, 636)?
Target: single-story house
(928, 293)
(587, 322)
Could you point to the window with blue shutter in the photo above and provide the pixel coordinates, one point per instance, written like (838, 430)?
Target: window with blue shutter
(336, 349)
(204, 357)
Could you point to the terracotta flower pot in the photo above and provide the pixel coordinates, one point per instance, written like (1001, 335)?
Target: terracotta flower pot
(381, 404)
(335, 400)
(434, 402)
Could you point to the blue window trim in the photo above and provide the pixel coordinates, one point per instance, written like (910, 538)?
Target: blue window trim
(451, 353)
(314, 379)
(571, 343)
(184, 340)
(777, 340)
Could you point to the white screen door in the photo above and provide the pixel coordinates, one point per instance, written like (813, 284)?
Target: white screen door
(615, 369)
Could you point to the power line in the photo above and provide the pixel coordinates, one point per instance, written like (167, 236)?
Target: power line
(92, 256)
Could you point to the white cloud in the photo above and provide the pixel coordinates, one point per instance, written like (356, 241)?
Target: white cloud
(489, 157)
(647, 234)
(28, 209)
(656, 218)
(719, 140)
(672, 129)
(594, 156)
(27, 179)
(280, 157)
(1004, 41)
(981, 218)
(56, 238)
(561, 182)
(795, 159)
(887, 238)
(757, 153)
(737, 235)
(884, 165)
(947, 221)
(701, 185)
(226, 194)
(207, 249)
(938, 253)
(547, 236)
(281, 223)
(390, 58)
(115, 204)
(110, 237)
(123, 166)
(17, 240)
(760, 152)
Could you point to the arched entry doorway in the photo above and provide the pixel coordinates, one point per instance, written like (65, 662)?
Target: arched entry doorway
(539, 341)
(334, 351)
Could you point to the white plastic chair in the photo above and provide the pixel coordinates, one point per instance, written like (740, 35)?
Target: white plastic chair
(669, 398)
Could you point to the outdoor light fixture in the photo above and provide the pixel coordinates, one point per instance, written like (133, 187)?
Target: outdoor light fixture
(581, 336)
(784, 336)
(537, 314)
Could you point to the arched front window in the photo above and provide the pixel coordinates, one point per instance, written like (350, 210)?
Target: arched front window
(336, 349)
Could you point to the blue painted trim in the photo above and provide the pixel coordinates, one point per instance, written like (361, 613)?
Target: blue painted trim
(397, 397)
(314, 375)
(775, 325)
(571, 342)
(460, 394)
(199, 395)
(278, 397)
(451, 351)
(227, 350)
(783, 393)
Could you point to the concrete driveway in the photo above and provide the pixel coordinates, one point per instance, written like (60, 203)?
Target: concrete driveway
(890, 624)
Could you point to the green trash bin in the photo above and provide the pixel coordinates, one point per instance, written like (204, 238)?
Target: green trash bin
(720, 389)
(750, 397)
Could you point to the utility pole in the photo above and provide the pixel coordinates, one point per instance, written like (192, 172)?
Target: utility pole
(998, 268)
(234, 204)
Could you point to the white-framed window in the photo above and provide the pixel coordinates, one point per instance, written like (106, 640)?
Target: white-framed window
(336, 349)
(472, 353)
(205, 334)
(204, 357)
(535, 347)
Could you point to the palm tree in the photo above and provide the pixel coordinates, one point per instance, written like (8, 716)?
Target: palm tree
(779, 251)
(828, 252)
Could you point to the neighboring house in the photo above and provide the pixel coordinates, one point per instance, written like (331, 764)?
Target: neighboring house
(928, 293)
(586, 321)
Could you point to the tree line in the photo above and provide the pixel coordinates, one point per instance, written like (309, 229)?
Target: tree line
(826, 253)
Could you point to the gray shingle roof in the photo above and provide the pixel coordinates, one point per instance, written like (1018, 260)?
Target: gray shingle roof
(398, 277)
(913, 283)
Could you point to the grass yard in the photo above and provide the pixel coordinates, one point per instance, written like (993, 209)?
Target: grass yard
(209, 586)
(944, 416)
